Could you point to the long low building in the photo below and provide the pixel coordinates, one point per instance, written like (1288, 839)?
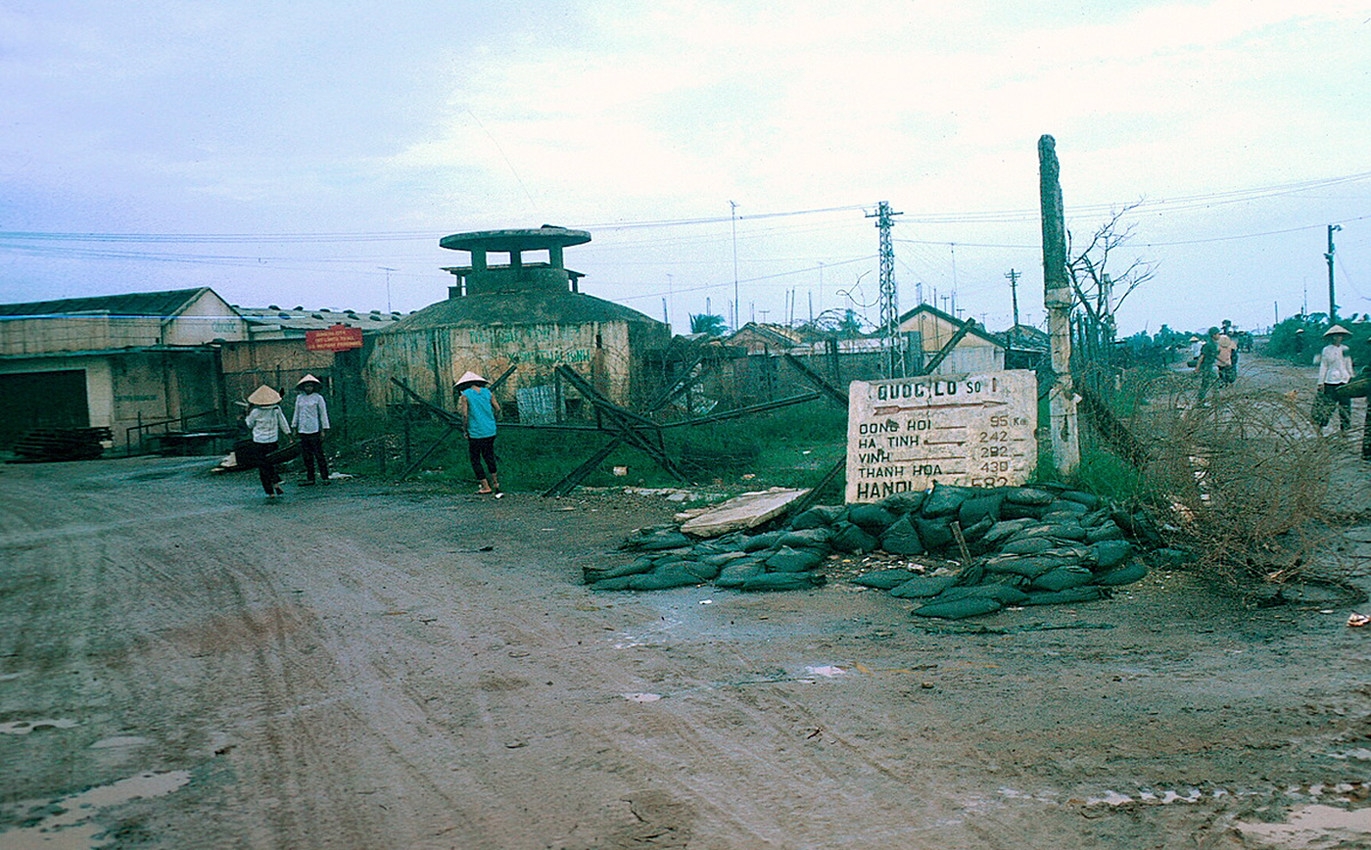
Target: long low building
(117, 361)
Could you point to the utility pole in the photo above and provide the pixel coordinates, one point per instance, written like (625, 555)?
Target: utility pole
(736, 308)
(1014, 298)
(1332, 302)
(1066, 447)
(388, 281)
(890, 296)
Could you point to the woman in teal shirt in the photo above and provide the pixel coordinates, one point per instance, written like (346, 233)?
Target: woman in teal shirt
(478, 409)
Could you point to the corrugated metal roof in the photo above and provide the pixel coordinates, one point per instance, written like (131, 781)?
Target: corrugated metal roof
(300, 319)
(519, 308)
(159, 304)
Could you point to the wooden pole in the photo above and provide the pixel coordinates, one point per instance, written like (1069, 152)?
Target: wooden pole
(1066, 449)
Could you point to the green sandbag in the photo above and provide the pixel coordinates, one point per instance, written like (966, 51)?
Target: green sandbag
(701, 570)
(639, 565)
(922, 587)
(809, 538)
(1014, 510)
(849, 538)
(935, 533)
(885, 579)
(765, 540)
(1028, 496)
(1004, 530)
(1089, 500)
(971, 606)
(873, 519)
(1123, 575)
(735, 574)
(783, 581)
(902, 539)
(819, 516)
(663, 540)
(663, 578)
(1109, 554)
(900, 504)
(1028, 546)
(723, 559)
(1063, 578)
(945, 500)
(1085, 593)
(1030, 566)
(1001, 593)
(1066, 530)
(788, 560)
(1107, 530)
(976, 531)
(977, 508)
(1067, 506)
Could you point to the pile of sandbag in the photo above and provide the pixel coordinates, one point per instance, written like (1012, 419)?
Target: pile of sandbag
(1008, 546)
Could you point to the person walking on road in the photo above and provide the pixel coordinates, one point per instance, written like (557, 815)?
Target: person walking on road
(267, 423)
(478, 408)
(310, 421)
(1209, 355)
(1228, 355)
(1335, 370)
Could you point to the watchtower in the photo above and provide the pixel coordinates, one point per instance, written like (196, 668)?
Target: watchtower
(482, 278)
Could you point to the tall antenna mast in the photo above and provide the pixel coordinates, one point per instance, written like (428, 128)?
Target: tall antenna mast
(890, 296)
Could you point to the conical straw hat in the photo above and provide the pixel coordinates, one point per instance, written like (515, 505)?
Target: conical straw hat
(1337, 329)
(309, 379)
(470, 378)
(264, 396)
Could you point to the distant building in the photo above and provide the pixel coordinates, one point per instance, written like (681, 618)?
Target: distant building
(115, 361)
(759, 338)
(530, 315)
(1026, 347)
(278, 352)
(929, 329)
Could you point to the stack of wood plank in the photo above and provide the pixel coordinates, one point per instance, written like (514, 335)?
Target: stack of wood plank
(52, 444)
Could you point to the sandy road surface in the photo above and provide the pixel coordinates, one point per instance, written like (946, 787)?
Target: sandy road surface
(185, 665)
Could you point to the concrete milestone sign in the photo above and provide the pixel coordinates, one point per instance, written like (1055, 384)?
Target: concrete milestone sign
(963, 430)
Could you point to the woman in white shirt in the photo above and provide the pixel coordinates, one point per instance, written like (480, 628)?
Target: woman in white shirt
(267, 423)
(1335, 370)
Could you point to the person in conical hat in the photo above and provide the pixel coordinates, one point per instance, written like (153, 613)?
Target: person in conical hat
(310, 421)
(267, 423)
(1335, 370)
(479, 409)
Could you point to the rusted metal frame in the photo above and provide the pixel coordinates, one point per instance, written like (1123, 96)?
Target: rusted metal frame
(817, 380)
(1111, 428)
(574, 477)
(808, 499)
(681, 385)
(947, 348)
(746, 411)
(582, 386)
(446, 415)
(625, 422)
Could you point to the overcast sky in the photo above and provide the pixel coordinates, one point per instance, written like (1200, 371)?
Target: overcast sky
(313, 154)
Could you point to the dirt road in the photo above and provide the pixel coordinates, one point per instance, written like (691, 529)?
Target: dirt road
(185, 665)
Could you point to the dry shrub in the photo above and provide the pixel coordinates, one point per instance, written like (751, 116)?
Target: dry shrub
(1241, 482)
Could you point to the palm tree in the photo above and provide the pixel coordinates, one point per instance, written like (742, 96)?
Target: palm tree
(707, 323)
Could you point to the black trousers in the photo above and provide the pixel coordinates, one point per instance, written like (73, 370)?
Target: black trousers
(312, 450)
(481, 449)
(266, 470)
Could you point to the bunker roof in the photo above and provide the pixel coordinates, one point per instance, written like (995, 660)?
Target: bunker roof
(518, 308)
(526, 239)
